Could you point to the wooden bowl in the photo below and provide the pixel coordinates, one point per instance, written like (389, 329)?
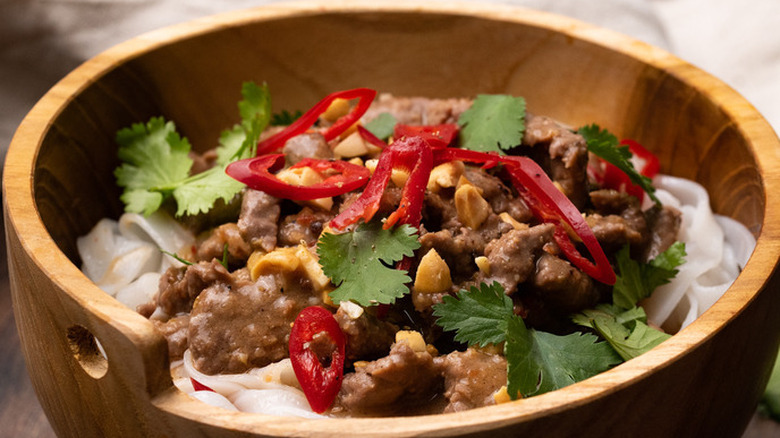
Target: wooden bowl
(58, 183)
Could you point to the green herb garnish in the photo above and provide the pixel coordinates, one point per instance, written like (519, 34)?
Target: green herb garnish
(156, 163)
(382, 126)
(606, 146)
(494, 123)
(537, 362)
(360, 262)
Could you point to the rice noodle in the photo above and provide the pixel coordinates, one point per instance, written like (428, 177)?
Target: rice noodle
(124, 259)
(271, 390)
(717, 247)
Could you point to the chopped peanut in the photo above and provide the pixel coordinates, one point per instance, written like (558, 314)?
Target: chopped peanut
(354, 311)
(278, 260)
(338, 108)
(311, 267)
(286, 261)
(471, 206)
(305, 176)
(398, 176)
(483, 264)
(505, 217)
(433, 274)
(413, 338)
(445, 175)
(501, 396)
(356, 161)
(354, 146)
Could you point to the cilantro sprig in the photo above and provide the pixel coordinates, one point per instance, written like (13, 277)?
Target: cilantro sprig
(623, 324)
(636, 280)
(156, 164)
(360, 262)
(537, 362)
(493, 123)
(606, 146)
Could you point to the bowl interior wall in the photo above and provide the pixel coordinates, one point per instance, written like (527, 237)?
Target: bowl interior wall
(196, 83)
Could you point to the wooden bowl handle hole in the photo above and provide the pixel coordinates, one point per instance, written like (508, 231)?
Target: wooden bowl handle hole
(87, 351)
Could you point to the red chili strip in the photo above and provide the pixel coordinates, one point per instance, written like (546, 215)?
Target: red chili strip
(438, 136)
(369, 136)
(412, 154)
(548, 205)
(199, 386)
(552, 206)
(308, 119)
(317, 352)
(257, 174)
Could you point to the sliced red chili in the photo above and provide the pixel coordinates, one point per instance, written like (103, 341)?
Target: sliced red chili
(369, 136)
(257, 174)
(317, 352)
(411, 154)
(199, 386)
(551, 206)
(438, 136)
(364, 95)
(548, 205)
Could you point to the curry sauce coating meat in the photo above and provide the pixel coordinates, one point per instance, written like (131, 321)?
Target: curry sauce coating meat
(471, 378)
(403, 379)
(240, 324)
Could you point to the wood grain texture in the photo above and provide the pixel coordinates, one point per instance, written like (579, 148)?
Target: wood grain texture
(57, 184)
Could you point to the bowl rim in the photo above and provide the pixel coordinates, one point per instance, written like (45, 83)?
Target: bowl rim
(22, 215)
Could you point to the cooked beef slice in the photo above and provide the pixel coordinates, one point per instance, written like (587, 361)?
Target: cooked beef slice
(258, 219)
(618, 219)
(664, 224)
(213, 246)
(564, 157)
(179, 287)
(175, 331)
(307, 145)
(418, 110)
(238, 324)
(498, 194)
(562, 286)
(471, 378)
(367, 336)
(512, 257)
(458, 249)
(306, 225)
(390, 385)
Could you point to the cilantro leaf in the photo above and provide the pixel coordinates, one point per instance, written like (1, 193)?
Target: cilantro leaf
(636, 281)
(606, 146)
(493, 123)
(360, 262)
(198, 193)
(156, 163)
(629, 342)
(382, 126)
(625, 330)
(539, 362)
(255, 111)
(478, 316)
(155, 158)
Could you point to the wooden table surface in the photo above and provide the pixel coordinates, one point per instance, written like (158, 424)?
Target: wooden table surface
(21, 414)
